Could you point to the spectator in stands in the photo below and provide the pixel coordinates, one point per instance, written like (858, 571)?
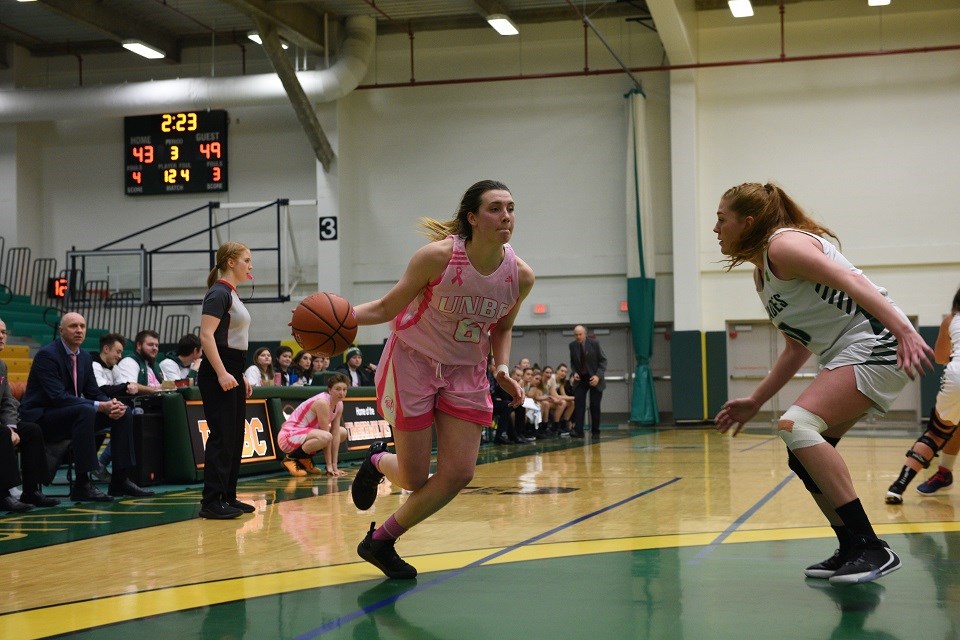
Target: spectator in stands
(352, 367)
(533, 403)
(557, 404)
(313, 426)
(282, 359)
(522, 426)
(28, 437)
(300, 372)
(564, 383)
(260, 373)
(183, 363)
(319, 364)
(104, 363)
(548, 404)
(547, 374)
(141, 367)
(63, 398)
(563, 390)
(506, 417)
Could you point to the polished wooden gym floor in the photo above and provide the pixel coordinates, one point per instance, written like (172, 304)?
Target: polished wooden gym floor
(646, 533)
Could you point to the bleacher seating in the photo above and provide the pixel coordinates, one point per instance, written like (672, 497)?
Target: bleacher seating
(17, 357)
(27, 320)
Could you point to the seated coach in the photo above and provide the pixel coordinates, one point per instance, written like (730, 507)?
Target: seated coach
(62, 396)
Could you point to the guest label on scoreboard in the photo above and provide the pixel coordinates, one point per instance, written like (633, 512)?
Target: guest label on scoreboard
(176, 152)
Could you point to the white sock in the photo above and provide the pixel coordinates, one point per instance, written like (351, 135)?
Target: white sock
(947, 460)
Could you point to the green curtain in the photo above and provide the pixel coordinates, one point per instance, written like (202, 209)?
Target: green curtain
(641, 273)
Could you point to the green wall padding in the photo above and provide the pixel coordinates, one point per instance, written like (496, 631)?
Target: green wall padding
(716, 371)
(686, 372)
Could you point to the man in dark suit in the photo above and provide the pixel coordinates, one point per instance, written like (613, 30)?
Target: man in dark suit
(588, 363)
(63, 398)
(28, 437)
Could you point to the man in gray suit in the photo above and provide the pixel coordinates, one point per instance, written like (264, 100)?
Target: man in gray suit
(588, 363)
(28, 437)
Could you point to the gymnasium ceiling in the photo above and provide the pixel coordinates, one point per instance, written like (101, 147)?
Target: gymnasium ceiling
(47, 28)
(85, 27)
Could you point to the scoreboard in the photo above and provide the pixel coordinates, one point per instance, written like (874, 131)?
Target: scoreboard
(182, 152)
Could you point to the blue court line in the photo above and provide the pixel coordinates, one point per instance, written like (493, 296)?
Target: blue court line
(743, 518)
(342, 620)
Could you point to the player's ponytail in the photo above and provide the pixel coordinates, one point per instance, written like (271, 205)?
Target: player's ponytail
(771, 209)
(437, 230)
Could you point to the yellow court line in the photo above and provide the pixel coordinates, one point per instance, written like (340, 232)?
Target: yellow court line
(76, 616)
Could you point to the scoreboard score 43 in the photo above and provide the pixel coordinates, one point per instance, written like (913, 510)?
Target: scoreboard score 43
(182, 152)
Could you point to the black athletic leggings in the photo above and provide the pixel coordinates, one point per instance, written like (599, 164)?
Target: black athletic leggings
(225, 412)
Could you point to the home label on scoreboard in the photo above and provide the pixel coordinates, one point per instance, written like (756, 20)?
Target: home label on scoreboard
(176, 152)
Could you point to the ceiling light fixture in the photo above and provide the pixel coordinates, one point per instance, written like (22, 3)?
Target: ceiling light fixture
(740, 8)
(877, 3)
(143, 49)
(502, 24)
(253, 35)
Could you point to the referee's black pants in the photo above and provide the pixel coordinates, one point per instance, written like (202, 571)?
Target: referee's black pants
(225, 412)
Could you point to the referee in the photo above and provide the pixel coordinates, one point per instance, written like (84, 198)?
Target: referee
(224, 326)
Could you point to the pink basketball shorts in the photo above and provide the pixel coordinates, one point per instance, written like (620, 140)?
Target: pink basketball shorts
(411, 387)
(291, 438)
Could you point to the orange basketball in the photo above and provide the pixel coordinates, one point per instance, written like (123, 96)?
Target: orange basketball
(324, 324)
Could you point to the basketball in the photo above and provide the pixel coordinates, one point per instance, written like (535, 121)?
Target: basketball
(324, 324)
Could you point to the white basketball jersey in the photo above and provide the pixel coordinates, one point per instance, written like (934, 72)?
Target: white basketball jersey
(823, 319)
(954, 329)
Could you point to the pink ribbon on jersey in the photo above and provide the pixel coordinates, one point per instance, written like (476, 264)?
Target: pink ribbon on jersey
(457, 279)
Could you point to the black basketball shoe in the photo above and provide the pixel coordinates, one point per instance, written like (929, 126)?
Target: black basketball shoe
(871, 559)
(364, 487)
(826, 568)
(382, 555)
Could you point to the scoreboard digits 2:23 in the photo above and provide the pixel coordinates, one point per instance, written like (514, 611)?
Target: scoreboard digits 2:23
(183, 152)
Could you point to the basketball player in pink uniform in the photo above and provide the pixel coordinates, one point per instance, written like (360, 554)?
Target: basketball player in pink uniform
(315, 425)
(456, 301)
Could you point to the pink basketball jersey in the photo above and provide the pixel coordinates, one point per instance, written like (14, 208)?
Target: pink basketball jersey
(301, 418)
(450, 320)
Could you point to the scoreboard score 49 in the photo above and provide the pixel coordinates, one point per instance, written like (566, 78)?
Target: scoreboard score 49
(183, 152)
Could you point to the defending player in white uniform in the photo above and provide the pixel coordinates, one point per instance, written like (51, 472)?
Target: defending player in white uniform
(865, 344)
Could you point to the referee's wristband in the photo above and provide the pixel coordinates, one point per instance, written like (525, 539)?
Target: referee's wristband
(504, 368)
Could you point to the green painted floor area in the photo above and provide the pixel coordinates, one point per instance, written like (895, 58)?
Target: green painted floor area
(723, 592)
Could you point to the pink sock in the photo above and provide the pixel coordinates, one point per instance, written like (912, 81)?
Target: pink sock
(375, 459)
(389, 530)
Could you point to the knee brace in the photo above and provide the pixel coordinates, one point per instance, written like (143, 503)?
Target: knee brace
(935, 429)
(799, 428)
(795, 465)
